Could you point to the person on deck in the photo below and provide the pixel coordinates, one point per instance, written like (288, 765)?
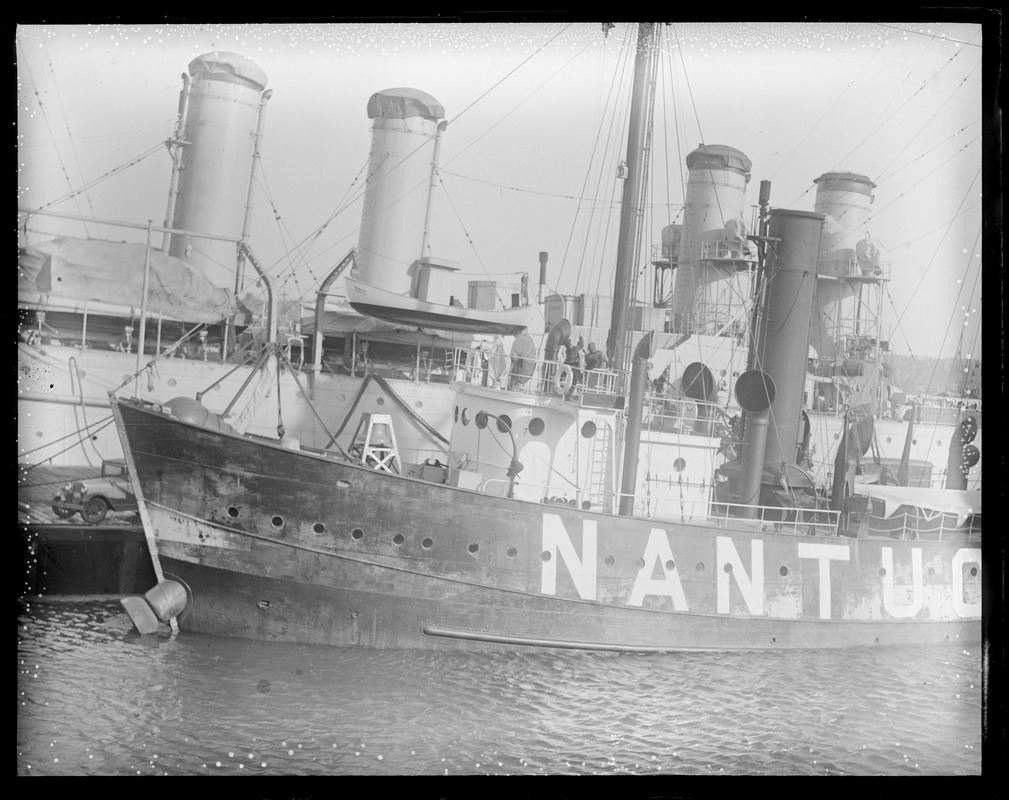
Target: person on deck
(593, 357)
(573, 360)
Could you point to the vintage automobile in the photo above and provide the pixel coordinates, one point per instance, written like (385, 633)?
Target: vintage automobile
(95, 497)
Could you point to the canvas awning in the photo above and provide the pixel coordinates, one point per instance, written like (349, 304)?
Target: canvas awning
(79, 270)
(947, 501)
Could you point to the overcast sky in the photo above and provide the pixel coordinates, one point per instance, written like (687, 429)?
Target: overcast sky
(526, 165)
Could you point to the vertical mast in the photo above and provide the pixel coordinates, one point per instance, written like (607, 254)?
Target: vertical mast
(175, 145)
(631, 214)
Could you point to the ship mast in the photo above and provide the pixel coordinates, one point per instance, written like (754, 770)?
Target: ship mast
(632, 206)
(631, 219)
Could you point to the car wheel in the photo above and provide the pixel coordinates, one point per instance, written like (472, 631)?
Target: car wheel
(63, 513)
(94, 510)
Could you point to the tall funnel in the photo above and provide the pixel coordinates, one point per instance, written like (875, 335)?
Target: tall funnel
(224, 105)
(713, 247)
(403, 139)
(782, 341)
(847, 252)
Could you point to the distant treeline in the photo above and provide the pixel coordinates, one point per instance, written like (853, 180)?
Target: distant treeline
(936, 376)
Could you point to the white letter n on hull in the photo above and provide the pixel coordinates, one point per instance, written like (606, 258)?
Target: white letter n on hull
(752, 587)
(582, 570)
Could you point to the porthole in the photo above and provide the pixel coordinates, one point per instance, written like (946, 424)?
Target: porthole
(914, 441)
(480, 420)
(608, 561)
(639, 564)
(670, 565)
(586, 505)
(931, 571)
(699, 566)
(536, 426)
(427, 544)
(679, 465)
(973, 572)
(589, 429)
(418, 404)
(398, 538)
(277, 521)
(172, 382)
(357, 533)
(511, 552)
(465, 416)
(938, 444)
(835, 435)
(473, 549)
(455, 416)
(888, 440)
(783, 571)
(545, 555)
(727, 568)
(232, 512)
(504, 423)
(318, 528)
(882, 572)
(380, 401)
(340, 398)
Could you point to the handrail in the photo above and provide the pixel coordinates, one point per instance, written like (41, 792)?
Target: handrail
(476, 366)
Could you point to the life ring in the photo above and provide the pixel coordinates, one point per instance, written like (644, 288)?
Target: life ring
(564, 379)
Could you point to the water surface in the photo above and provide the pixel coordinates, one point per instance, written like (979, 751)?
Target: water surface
(95, 698)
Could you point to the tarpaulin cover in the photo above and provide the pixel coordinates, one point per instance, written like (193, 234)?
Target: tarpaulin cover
(113, 272)
(220, 65)
(719, 156)
(404, 103)
(947, 501)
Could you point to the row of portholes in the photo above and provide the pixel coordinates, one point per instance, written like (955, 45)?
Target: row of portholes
(504, 423)
(913, 441)
(427, 543)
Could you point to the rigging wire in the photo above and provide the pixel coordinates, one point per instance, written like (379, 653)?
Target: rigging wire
(899, 108)
(921, 282)
(600, 148)
(512, 72)
(34, 89)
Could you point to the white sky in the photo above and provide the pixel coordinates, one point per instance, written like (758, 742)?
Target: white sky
(900, 103)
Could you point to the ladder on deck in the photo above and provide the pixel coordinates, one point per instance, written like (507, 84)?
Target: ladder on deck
(601, 474)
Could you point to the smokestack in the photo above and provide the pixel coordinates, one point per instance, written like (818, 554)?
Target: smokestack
(403, 137)
(783, 339)
(223, 111)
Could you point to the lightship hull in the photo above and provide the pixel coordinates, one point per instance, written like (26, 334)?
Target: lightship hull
(286, 545)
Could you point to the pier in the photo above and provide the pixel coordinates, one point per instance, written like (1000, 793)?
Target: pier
(68, 557)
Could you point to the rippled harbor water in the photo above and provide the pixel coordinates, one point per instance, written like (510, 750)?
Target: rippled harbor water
(95, 698)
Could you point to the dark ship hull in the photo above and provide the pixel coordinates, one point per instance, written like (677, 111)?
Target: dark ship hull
(279, 544)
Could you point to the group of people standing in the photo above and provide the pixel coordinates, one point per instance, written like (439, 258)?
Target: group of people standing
(579, 359)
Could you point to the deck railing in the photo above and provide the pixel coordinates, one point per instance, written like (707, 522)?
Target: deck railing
(531, 376)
